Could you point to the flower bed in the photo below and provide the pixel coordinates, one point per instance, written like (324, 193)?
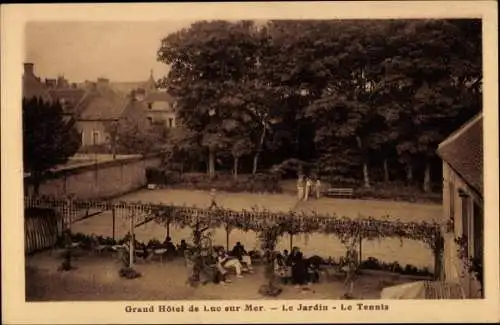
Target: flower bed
(397, 192)
(374, 264)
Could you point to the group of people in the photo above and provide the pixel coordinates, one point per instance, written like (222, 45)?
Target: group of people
(307, 186)
(295, 268)
(146, 251)
(238, 260)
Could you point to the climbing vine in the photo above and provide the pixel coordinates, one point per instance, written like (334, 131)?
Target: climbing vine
(471, 265)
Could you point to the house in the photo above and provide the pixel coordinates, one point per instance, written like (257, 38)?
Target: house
(102, 108)
(68, 95)
(33, 86)
(160, 105)
(161, 109)
(462, 155)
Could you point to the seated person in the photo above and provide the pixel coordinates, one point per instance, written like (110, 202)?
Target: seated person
(312, 273)
(139, 248)
(299, 270)
(281, 269)
(181, 248)
(241, 254)
(293, 256)
(286, 254)
(169, 246)
(225, 262)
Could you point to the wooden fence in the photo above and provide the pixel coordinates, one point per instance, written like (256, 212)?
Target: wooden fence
(41, 229)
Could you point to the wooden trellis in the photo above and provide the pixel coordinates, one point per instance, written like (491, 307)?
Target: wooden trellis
(290, 222)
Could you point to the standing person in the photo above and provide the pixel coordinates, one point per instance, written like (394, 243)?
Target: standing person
(299, 270)
(213, 203)
(307, 188)
(317, 188)
(300, 187)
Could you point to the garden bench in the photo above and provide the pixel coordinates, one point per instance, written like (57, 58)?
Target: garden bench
(339, 192)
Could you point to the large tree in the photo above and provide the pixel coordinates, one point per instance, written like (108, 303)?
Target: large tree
(128, 137)
(48, 138)
(433, 76)
(206, 59)
(353, 96)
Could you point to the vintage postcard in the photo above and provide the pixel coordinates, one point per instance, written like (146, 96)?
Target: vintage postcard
(250, 162)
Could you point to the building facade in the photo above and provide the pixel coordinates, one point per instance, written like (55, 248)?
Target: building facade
(462, 155)
(33, 87)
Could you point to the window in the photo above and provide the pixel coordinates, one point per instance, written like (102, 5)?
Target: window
(150, 119)
(95, 137)
(465, 216)
(478, 230)
(451, 196)
(170, 122)
(150, 105)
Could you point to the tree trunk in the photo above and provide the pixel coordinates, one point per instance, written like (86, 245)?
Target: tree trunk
(386, 172)
(259, 149)
(113, 149)
(409, 173)
(427, 178)
(235, 168)
(366, 176)
(37, 177)
(211, 163)
(255, 163)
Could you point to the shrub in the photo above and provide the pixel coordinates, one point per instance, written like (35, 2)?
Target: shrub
(374, 264)
(226, 182)
(129, 273)
(397, 192)
(155, 175)
(154, 243)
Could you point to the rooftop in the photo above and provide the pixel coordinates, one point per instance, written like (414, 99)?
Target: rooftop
(463, 151)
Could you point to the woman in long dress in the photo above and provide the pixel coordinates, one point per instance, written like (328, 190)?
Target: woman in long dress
(317, 188)
(300, 187)
(307, 188)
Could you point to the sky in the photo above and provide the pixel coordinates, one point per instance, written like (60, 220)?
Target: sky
(120, 51)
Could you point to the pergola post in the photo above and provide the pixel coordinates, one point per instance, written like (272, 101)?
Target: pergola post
(291, 241)
(360, 248)
(132, 241)
(438, 262)
(228, 231)
(113, 212)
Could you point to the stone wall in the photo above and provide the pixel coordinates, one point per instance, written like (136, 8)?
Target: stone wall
(97, 180)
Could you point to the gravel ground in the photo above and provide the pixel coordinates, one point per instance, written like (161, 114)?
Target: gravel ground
(96, 279)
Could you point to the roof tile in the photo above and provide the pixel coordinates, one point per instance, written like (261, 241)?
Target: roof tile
(463, 151)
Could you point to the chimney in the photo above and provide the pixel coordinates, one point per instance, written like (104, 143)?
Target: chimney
(140, 94)
(29, 69)
(62, 83)
(90, 86)
(102, 83)
(50, 83)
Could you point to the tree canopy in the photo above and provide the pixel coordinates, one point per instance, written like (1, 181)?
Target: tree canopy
(48, 139)
(349, 96)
